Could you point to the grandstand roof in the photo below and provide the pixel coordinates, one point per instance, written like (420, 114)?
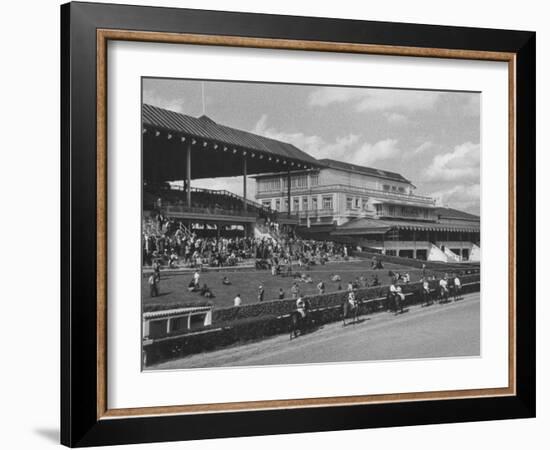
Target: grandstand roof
(217, 150)
(378, 226)
(363, 170)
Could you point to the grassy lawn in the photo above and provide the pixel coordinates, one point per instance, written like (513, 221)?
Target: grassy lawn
(173, 287)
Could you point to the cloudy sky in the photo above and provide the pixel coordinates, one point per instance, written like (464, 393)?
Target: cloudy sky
(430, 137)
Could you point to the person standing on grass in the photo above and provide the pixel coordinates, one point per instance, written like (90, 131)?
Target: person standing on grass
(321, 287)
(196, 278)
(156, 269)
(153, 286)
(295, 291)
(281, 294)
(261, 293)
(237, 300)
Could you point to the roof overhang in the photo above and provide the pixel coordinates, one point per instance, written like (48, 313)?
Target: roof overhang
(216, 150)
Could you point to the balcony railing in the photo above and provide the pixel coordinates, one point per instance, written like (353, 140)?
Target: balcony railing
(325, 212)
(391, 195)
(209, 211)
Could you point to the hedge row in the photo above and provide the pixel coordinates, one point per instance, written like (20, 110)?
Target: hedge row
(281, 307)
(274, 320)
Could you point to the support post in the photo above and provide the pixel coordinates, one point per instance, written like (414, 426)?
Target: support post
(188, 174)
(288, 191)
(244, 182)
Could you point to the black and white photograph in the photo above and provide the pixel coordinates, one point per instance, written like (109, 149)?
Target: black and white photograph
(302, 224)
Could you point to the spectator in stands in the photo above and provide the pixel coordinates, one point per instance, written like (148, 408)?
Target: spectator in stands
(173, 259)
(237, 300)
(406, 278)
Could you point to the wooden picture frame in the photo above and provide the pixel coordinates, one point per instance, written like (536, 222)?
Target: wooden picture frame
(85, 417)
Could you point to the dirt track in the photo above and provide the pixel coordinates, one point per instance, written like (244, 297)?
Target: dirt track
(448, 330)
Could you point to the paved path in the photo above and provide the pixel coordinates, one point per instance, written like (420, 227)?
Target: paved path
(447, 330)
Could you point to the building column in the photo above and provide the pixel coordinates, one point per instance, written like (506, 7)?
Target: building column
(244, 182)
(188, 174)
(288, 192)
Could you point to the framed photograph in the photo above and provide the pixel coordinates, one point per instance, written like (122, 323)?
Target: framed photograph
(276, 224)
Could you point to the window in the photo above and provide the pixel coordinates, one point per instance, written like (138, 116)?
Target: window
(386, 187)
(394, 188)
(266, 203)
(314, 179)
(298, 182)
(278, 205)
(304, 204)
(286, 204)
(314, 203)
(349, 202)
(327, 202)
(357, 203)
(401, 189)
(296, 204)
(269, 185)
(391, 210)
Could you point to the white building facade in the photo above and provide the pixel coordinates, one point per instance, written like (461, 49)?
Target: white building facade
(372, 208)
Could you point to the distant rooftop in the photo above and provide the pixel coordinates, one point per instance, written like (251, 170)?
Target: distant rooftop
(451, 213)
(363, 170)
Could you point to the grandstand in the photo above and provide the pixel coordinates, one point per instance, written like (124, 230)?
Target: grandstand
(178, 149)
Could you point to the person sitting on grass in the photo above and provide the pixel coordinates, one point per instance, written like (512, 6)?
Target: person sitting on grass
(375, 281)
(192, 286)
(281, 294)
(225, 281)
(335, 278)
(206, 292)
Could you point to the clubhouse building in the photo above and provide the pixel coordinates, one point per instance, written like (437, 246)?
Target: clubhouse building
(374, 209)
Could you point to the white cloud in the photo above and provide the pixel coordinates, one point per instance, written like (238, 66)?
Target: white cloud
(375, 99)
(173, 104)
(461, 164)
(383, 150)
(347, 148)
(394, 118)
(463, 197)
(423, 148)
